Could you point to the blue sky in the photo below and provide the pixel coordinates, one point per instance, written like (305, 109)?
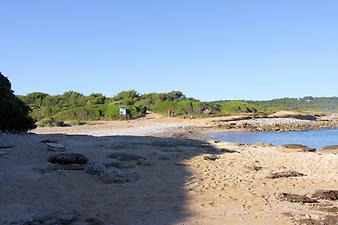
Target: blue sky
(207, 49)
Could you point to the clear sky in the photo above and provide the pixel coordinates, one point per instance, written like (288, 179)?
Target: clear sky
(210, 50)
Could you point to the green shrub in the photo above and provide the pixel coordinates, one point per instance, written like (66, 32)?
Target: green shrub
(95, 112)
(13, 112)
(78, 123)
(50, 122)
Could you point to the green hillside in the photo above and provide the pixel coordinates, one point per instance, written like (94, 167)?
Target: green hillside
(73, 106)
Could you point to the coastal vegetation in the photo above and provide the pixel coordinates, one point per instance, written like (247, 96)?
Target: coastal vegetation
(319, 104)
(72, 106)
(18, 113)
(13, 112)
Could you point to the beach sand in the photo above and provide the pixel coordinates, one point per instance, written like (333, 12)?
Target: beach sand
(181, 177)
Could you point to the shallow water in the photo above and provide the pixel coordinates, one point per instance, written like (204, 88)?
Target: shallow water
(314, 138)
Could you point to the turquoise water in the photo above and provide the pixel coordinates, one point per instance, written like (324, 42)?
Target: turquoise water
(314, 138)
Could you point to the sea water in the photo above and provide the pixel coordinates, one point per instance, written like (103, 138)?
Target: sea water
(313, 138)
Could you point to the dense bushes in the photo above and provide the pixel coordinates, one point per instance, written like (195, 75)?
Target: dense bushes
(50, 122)
(13, 112)
(326, 104)
(72, 106)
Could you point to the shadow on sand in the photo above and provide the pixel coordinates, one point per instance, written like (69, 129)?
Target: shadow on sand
(28, 190)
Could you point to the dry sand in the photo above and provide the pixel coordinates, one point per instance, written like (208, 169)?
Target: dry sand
(184, 181)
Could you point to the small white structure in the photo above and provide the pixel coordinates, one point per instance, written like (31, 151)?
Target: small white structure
(123, 112)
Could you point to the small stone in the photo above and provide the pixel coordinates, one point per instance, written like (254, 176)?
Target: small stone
(211, 157)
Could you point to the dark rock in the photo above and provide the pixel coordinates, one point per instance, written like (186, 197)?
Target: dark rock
(142, 162)
(68, 158)
(94, 221)
(305, 117)
(224, 150)
(211, 157)
(50, 141)
(294, 198)
(5, 146)
(326, 194)
(303, 148)
(286, 174)
(121, 156)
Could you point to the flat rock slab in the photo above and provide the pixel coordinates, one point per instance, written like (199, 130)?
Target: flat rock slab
(294, 198)
(68, 158)
(55, 147)
(326, 194)
(286, 174)
(301, 148)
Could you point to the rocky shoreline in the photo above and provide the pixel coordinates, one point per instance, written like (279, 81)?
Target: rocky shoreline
(275, 124)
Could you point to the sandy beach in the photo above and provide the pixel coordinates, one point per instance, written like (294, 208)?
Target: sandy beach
(156, 171)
